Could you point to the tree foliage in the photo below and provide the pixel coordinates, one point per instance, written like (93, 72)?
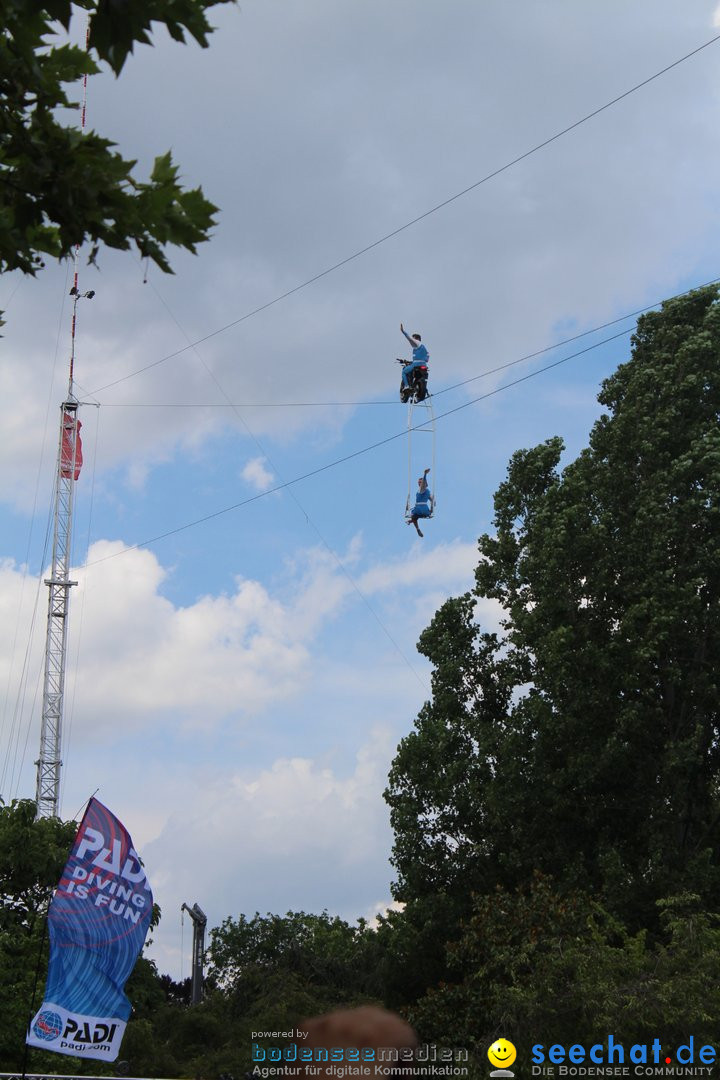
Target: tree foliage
(32, 856)
(60, 187)
(542, 966)
(327, 960)
(266, 973)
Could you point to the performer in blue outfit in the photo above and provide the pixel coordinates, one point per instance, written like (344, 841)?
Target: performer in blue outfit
(423, 502)
(420, 355)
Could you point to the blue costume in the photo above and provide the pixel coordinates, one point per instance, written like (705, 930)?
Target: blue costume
(424, 504)
(422, 507)
(420, 356)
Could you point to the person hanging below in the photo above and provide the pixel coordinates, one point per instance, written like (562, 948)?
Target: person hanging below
(420, 358)
(423, 507)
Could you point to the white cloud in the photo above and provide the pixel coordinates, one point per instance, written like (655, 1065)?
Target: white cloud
(220, 656)
(135, 658)
(297, 835)
(170, 721)
(424, 568)
(634, 186)
(21, 639)
(382, 907)
(257, 475)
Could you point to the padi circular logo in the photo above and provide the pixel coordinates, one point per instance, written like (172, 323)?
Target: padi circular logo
(48, 1025)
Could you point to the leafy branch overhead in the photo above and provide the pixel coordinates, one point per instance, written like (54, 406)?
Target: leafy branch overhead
(59, 187)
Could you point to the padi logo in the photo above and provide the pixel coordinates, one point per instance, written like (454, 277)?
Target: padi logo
(48, 1025)
(80, 1036)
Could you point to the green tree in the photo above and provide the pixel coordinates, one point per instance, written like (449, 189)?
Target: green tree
(32, 857)
(60, 187)
(266, 973)
(320, 957)
(542, 966)
(582, 740)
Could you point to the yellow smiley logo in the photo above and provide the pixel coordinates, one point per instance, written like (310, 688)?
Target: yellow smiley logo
(502, 1053)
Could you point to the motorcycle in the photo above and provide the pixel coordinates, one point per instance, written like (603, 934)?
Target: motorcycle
(417, 379)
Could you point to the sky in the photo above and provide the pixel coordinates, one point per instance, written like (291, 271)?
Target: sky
(242, 657)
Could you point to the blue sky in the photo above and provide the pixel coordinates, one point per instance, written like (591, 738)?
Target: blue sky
(236, 690)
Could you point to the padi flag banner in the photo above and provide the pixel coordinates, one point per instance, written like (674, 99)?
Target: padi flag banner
(98, 920)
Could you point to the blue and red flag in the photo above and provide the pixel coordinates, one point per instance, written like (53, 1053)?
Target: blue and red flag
(98, 919)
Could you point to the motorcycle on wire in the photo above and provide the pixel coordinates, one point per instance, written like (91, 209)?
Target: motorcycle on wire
(417, 379)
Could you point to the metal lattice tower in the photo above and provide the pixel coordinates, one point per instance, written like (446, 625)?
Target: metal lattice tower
(47, 792)
(69, 460)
